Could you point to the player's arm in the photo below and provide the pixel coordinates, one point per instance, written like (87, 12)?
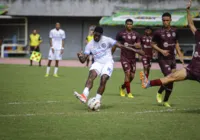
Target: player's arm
(180, 54)
(155, 46)
(113, 49)
(40, 40)
(126, 46)
(189, 18)
(82, 57)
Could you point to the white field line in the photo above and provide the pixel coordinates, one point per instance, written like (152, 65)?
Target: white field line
(99, 113)
(39, 102)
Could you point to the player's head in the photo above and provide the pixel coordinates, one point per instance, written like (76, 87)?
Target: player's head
(148, 30)
(166, 19)
(98, 31)
(34, 31)
(129, 24)
(57, 25)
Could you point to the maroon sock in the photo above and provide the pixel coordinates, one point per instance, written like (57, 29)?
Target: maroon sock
(128, 89)
(123, 86)
(147, 76)
(156, 82)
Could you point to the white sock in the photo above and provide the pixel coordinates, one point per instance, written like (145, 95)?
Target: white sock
(86, 91)
(55, 70)
(98, 96)
(48, 69)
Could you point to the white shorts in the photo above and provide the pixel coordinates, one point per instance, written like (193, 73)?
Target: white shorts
(102, 69)
(56, 55)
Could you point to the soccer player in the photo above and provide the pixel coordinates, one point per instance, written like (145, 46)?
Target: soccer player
(100, 47)
(57, 37)
(35, 41)
(165, 41)
(127, 58)
(191, 72)
(146, 47)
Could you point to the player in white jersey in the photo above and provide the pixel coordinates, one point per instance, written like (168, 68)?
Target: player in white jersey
(101, 48)
(57, 37)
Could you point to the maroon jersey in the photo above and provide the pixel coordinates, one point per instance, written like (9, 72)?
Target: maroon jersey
(146, 45)
(194, 65)
(130, 38)
(166, 40)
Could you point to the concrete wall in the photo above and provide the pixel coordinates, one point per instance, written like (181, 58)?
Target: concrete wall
(86, 7)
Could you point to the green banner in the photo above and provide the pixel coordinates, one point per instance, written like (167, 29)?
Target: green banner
(147, 18)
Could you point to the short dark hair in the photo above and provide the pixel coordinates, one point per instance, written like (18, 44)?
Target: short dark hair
(98, 29)
(129, 20)
(166, 15)
(148, 28)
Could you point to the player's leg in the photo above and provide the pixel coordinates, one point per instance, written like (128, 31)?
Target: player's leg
(126, 65)
(132, 75)
(179, 75)
(50, 58)
(105, 74)
(38, 50)
(31, 50)
(58, 57)
(94, 71)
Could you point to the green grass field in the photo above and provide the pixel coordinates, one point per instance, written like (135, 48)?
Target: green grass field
(36, 108)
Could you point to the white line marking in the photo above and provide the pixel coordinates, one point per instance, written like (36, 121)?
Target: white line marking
(99, 113)
(40, 102)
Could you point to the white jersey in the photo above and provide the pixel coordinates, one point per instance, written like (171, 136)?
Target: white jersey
(102, 50)
(57, 36)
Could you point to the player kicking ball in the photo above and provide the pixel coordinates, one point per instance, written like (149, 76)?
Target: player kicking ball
(100, 47)
(191, 72)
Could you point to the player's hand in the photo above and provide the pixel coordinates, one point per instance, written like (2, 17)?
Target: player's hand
(35, 47)
(52, 49)
(165, 52)
(62, 51)
(189, 4)
(80, 54)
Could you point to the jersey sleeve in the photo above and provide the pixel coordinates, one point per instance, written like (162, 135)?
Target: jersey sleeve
(87, 49)
(119, 37)
(112, 42)
(156, 37)
(63, 35)
(51, 34)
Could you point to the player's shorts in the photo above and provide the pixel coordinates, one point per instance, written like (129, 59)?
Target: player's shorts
(167, 66)
(128, 65)
(102, 69)
(146, 61)
(192, 73)
(33, 49)
(55, 56)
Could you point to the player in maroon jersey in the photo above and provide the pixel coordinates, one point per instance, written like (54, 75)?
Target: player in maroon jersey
(191, 72)
(146, 47)
(165, 41)
(127, 58)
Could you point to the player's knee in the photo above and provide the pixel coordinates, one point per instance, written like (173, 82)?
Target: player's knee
(104, 79)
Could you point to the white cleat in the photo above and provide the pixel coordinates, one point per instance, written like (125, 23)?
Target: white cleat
(81, 97)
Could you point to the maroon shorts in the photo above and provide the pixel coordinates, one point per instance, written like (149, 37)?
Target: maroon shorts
(128, 64)
(146, 61)
(193, 73)
(167, 66)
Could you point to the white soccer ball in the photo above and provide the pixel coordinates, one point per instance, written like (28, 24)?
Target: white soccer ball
(93, 104)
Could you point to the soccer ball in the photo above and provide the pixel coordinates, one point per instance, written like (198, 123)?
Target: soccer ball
(93, 104)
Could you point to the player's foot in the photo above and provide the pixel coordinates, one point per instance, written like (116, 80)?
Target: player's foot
(40, 65)
(55, 75)
(81, 97)
(46, 75)
(130, 95)
(166, 104)
(145, 82)
(121, 92)
(159, 98)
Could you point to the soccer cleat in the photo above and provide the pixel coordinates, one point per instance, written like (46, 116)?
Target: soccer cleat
(166, 104)
(121, 92)
(81, 97)
(46, 75)
(130, 95)
(145, 82)
(159, 98)
(56, 75)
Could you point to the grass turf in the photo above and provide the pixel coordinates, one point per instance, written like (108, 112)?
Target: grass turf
(33, 107)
